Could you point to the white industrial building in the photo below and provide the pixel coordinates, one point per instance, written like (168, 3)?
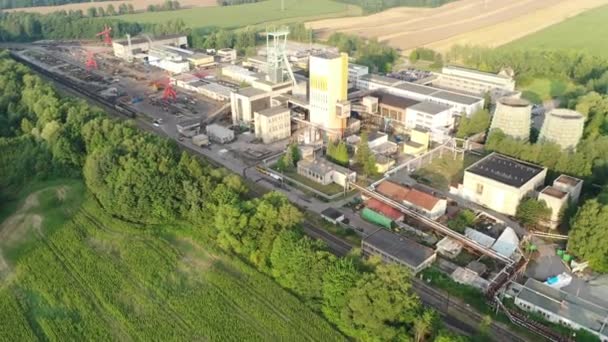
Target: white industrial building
(459, 104)
(325, 172)
(434, 117)
(560, 307)
(573, 186)
(563, 127)
(125, 50)
(226, 55)
(556, 200)
(474, 81)
(500, 182)
(355, 72)
(240, 74)
(273, 124)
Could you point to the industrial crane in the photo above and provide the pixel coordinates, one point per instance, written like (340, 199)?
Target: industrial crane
(106, 35)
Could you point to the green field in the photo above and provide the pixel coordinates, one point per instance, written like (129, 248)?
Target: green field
(584, 32)
(247, 14)
(87, 276)
(541, 89)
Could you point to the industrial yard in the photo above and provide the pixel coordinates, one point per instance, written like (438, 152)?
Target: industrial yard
(475, 22)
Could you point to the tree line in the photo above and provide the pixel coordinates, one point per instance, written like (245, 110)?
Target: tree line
(142, 178)
(6, 4)
(378, 56)
(235, 2)
(372, 6)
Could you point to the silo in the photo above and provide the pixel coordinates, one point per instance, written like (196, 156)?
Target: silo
(563, 127)
(512, 116)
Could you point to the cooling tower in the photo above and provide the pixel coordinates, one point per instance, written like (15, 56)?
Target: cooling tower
(563, 127)
(512, 116)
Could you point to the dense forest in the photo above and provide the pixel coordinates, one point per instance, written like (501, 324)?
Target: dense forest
(4, 4)
(372, 6)
(142, 178)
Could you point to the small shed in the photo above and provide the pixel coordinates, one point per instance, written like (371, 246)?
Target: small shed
(332, 215)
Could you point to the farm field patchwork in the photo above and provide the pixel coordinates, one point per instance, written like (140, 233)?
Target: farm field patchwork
(477, 22)
(93, 277)
(584, 32)
(243, 15)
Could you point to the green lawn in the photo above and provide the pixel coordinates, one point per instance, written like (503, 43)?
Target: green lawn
(247, 14)
(541, 89)
(98, 278)
(584, 32)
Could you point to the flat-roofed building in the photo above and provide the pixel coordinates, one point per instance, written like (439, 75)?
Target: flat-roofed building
(433, 117)
(474, 81)
(459, 104)
(356, 71)
(500, 182)
(219, 134)
(393, 248)
(143, 45)
(556, 200)
(562, 308)
(418, 142)
(394, 108)
(226, 55)
(273, 124)
(325, 172)
(245, 102)
(201, 60)
(573, 186)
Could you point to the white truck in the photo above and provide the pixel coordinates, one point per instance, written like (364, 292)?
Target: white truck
(200, 140)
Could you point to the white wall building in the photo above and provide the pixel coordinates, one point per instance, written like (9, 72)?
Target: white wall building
(219, 134)
(459, 103)
(474, 81)
(273, 124)
(435, 118)
(143, 45)
(556, 200)
(325, 172)
(500, 182)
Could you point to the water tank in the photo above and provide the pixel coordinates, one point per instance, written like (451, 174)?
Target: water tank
(512, 116)
(563, 127)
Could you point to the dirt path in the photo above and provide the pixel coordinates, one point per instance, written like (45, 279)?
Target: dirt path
(407, 28)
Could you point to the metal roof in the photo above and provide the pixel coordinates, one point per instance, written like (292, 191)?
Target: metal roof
(458, 98)
(560, 303)
(505, 170)
(430, 108)
(272, 111)
(417, 88)
(400, 247)
(394, 100)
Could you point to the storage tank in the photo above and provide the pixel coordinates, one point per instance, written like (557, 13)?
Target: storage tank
(376, 218)
(512, 116)
(563, 127)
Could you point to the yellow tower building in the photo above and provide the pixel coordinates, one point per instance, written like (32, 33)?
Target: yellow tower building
(329, 108)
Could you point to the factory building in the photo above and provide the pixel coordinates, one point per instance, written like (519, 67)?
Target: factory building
(433, 117)
(500, 182)
(393, 248)
(573, 186)
(563, 127)
(556, 200)
(459, 104)
(325, 172)
(226, 55)
(273, 124)
(474, 81)
(328, 86)
(168, 60)
(355, 72)
(393, 108)
(240, 74)
(560, 307)
(219, 134)
(513, 116)
(428, 205)
(138, 45)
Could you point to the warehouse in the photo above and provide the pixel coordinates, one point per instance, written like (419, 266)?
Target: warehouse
(394, 107)
(433, 117)
(393, 248)
(143, 45)
(458, 103)
(219, 134)
(500, 182)
(474, 81)
(563, 308)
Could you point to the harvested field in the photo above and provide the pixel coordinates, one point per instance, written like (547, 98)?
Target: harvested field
(137, 4)
(488, 22)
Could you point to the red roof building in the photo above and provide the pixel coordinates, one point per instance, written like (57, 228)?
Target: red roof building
(431, 206)
(384, 209)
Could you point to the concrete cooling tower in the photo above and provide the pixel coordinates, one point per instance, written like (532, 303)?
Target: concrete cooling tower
(512, 116)
(563, 127)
